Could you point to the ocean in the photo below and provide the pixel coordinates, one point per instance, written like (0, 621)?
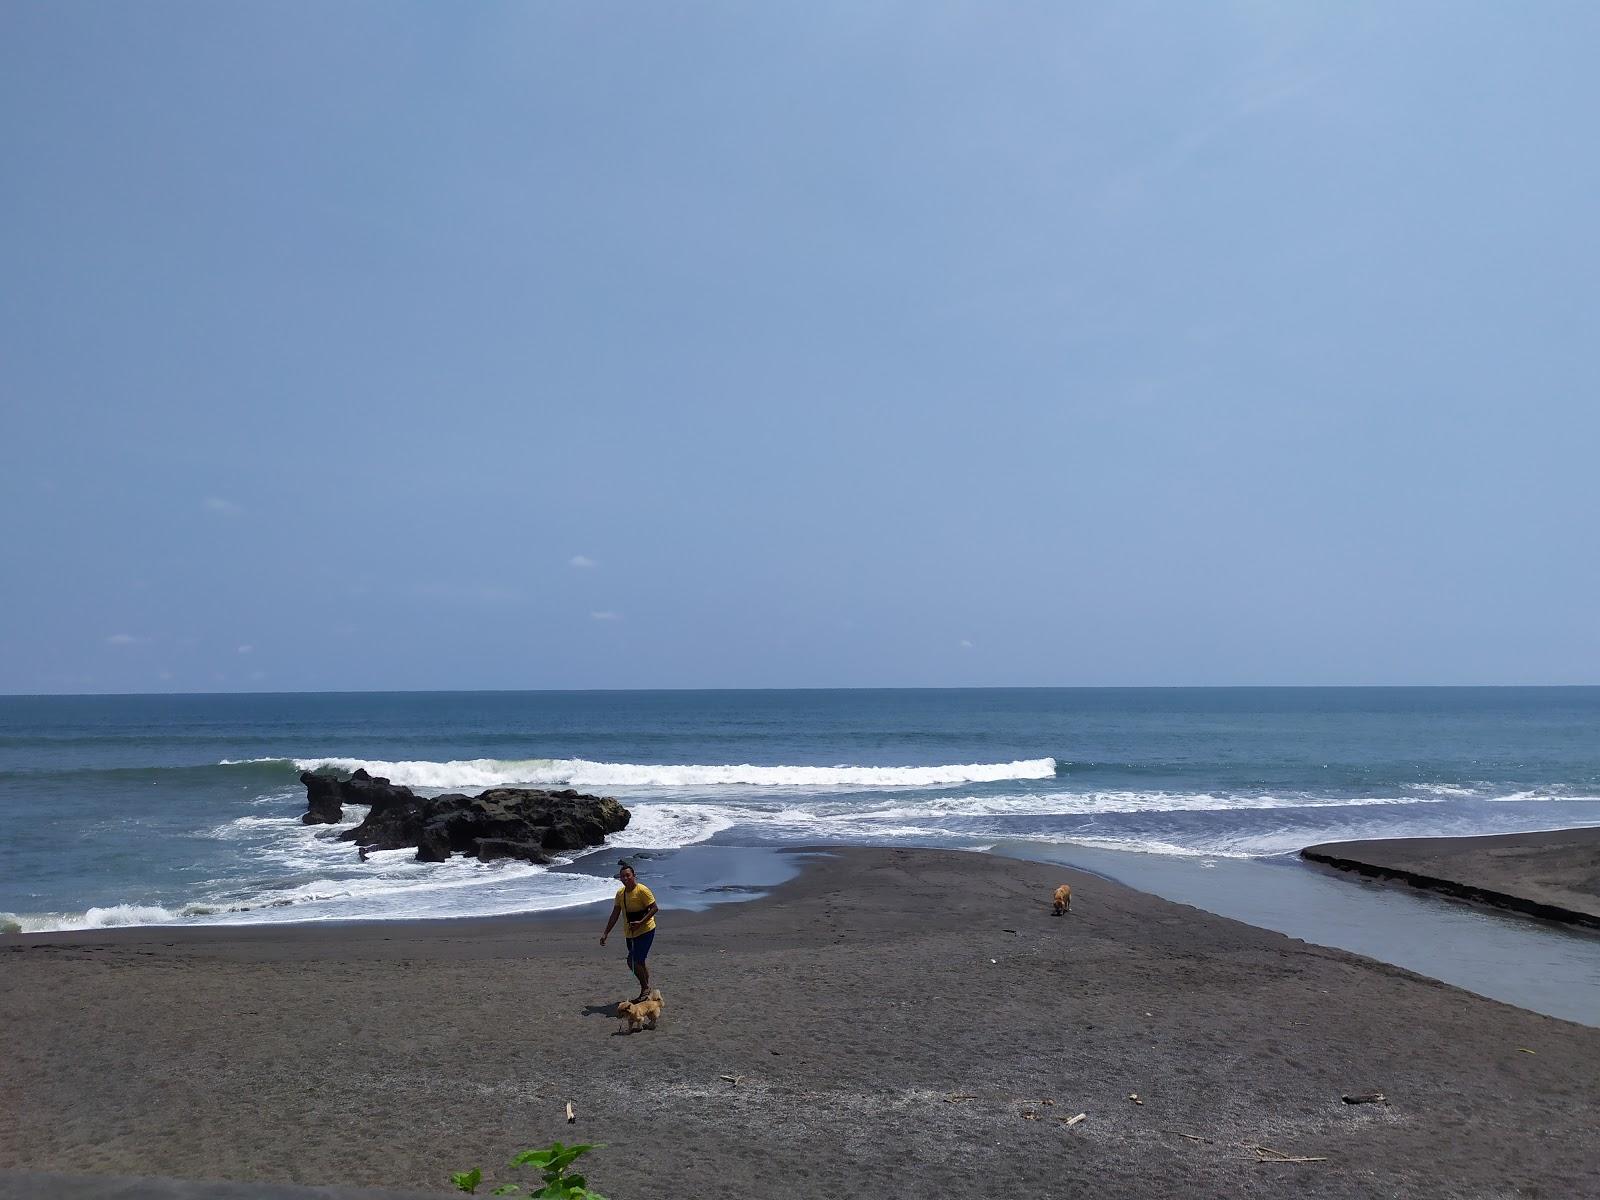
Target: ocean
(128, 810)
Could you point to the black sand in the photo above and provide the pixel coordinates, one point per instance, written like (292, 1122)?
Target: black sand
(39, 1185)
(1554, 875)
(890, 1023)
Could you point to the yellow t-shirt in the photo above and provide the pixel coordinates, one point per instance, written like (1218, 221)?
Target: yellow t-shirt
(632, 904)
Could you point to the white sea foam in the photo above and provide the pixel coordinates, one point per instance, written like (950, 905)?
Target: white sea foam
(964, 819)
(1444, 789)
(507, 890)
(243, 826)
(578, 772)
(1553, 794)
(1256, 848)
(108, 917)
(458, 887)
(397, 888)
(1063, 804)
(667, 826)
(127, 914)
(1534, 797)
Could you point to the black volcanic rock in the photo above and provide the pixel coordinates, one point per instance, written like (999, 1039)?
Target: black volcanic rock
(493, 848)
(523, 823)
(324, 799)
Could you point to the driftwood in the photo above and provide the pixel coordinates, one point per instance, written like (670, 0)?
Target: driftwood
(1366, 1098)
(1069, 1122)
(1266, 1154)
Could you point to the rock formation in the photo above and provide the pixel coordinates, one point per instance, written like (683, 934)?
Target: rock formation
(525, 823)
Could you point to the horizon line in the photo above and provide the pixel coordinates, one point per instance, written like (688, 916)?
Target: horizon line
(1035, 687)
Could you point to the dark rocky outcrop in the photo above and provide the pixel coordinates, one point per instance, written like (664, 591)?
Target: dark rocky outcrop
(324, 799)
(523, 823)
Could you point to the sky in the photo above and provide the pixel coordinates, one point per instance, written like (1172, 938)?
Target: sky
(577, 345)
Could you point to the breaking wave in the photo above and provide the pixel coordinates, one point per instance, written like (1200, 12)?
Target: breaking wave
(110, 917)
(578, 772)
(962, 819)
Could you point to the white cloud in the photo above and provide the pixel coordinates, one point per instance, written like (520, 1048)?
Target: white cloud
(246, 648)
(125, 639)
(225, 508)
(582, 561)
(966, 644)
(606, 616)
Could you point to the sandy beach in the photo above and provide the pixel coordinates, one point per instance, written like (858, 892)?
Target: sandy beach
(1554, 875)
(899, 1022)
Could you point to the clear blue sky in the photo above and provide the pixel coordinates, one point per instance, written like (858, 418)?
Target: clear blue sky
(374, 345)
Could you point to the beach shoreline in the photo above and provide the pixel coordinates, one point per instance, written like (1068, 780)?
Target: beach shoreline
(1552, 874)
(909, 1011)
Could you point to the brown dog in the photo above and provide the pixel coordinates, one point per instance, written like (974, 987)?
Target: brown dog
(641, 1014)
(1063, 899)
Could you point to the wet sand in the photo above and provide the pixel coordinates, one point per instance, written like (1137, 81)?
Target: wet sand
(893, 1022)
(1554, 875)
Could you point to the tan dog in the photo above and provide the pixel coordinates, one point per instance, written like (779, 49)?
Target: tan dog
(1063, 899)
(641, 1014)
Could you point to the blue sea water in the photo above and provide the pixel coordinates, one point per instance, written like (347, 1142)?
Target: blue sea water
(159, 809)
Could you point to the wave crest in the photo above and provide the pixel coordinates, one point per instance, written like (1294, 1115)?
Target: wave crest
(111, 916)
(579, 772)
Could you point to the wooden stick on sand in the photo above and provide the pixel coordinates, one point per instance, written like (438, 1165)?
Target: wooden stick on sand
(1266, 1154)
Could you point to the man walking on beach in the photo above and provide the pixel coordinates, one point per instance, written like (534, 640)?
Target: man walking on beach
(639, 903)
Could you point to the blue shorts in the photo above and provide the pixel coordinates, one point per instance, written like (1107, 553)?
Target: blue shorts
(639, 947)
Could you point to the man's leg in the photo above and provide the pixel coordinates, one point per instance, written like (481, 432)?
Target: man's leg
(641, 970)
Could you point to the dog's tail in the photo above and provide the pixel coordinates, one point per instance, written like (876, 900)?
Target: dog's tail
(655, 994)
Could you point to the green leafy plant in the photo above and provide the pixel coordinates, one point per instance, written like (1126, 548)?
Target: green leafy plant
(552, 1163)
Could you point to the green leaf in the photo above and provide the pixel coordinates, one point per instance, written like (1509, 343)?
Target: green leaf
(554, 1158)
(467, 1181)
(506, 1189)
(540, 1158)
(534, 1158)
(560, 1162)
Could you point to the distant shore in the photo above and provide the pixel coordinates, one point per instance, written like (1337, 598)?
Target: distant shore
(1554, 875)
(902, 1022)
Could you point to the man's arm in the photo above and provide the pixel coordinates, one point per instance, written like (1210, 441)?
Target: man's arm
(642, 917)
(616, 911)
